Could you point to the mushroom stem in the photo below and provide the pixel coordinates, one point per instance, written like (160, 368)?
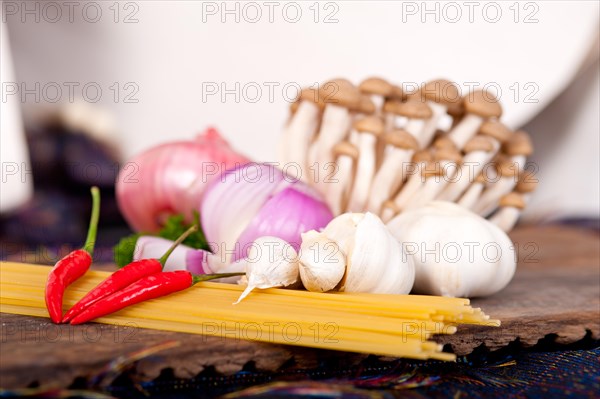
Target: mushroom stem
(389, 177)
(414, 111)
(430, 126)
(518, 147)
(433, 184)
(506, 218)
(414, 182)
(334, 127)
(364, 173)
(337, 193)
(465, 129)
(440, 95)
(479, 106)
(299, 133)
(390, 121)
(377, 101)
(465, 175)
(509, 172)
(368, 129)
(417, 114)
(412, 186)
(389, 115)
(340, 97)
(511, 206)
(470, 197)
(400, 146)
(437, 175)
(479, 151)
(388, 211)
(414, 127)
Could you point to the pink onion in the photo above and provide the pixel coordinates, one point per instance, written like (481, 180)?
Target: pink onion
(171, 178)
(257, 200)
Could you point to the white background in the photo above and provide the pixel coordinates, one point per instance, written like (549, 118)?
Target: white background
(175, 49)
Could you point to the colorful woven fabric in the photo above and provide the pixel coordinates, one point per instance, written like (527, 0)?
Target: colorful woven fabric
(565, 374)
(561, 374)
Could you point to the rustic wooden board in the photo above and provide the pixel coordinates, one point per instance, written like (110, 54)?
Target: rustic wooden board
(556, 290)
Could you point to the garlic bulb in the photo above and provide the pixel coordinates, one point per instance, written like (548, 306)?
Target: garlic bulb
(456, 252)
(271, 262)
(374, 261)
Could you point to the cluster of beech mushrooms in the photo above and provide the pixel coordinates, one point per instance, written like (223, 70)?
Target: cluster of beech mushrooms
(389, 151)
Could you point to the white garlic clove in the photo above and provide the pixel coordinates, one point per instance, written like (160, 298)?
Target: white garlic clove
(375, 261)
(322, 262)
(271, 262)
(455, 252)
(342, 229)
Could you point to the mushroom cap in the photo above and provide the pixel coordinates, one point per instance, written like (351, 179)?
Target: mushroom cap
(479, 143)
(402, 139)
(339, 82)
(438, 133)
(519, 144)
(365, 106)
(377, 86)
(296, 103)
(527, 182)
(441, 91)
(432, 169)
(506, 167)
(443, 142)
(422, 156)
(312, 95)
(482, 103)
(389, 204)
(414, 95)
(390, 105)
(345, 148)
(370, 124)
(481, 178)
(514, 200)
(340, 92)
(414, 109)
(447, 154)
(456, 110)
(294, 107)
(397, 93)
(496, 129)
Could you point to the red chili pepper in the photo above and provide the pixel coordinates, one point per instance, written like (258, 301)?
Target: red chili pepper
(72, 266)
(146, 288)
(124, 277)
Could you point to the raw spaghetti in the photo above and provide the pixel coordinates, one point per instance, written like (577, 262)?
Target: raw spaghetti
(390, 325)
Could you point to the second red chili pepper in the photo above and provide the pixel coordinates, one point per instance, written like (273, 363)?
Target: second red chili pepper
(146, 288)
(124, 277)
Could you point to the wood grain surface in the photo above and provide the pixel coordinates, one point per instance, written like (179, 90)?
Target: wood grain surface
(556, 291)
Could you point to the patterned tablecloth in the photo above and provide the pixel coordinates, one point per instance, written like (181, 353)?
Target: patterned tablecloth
(509, 372)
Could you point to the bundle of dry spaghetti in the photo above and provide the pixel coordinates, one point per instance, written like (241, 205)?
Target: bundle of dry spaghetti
(391, 325)
(374, 147)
